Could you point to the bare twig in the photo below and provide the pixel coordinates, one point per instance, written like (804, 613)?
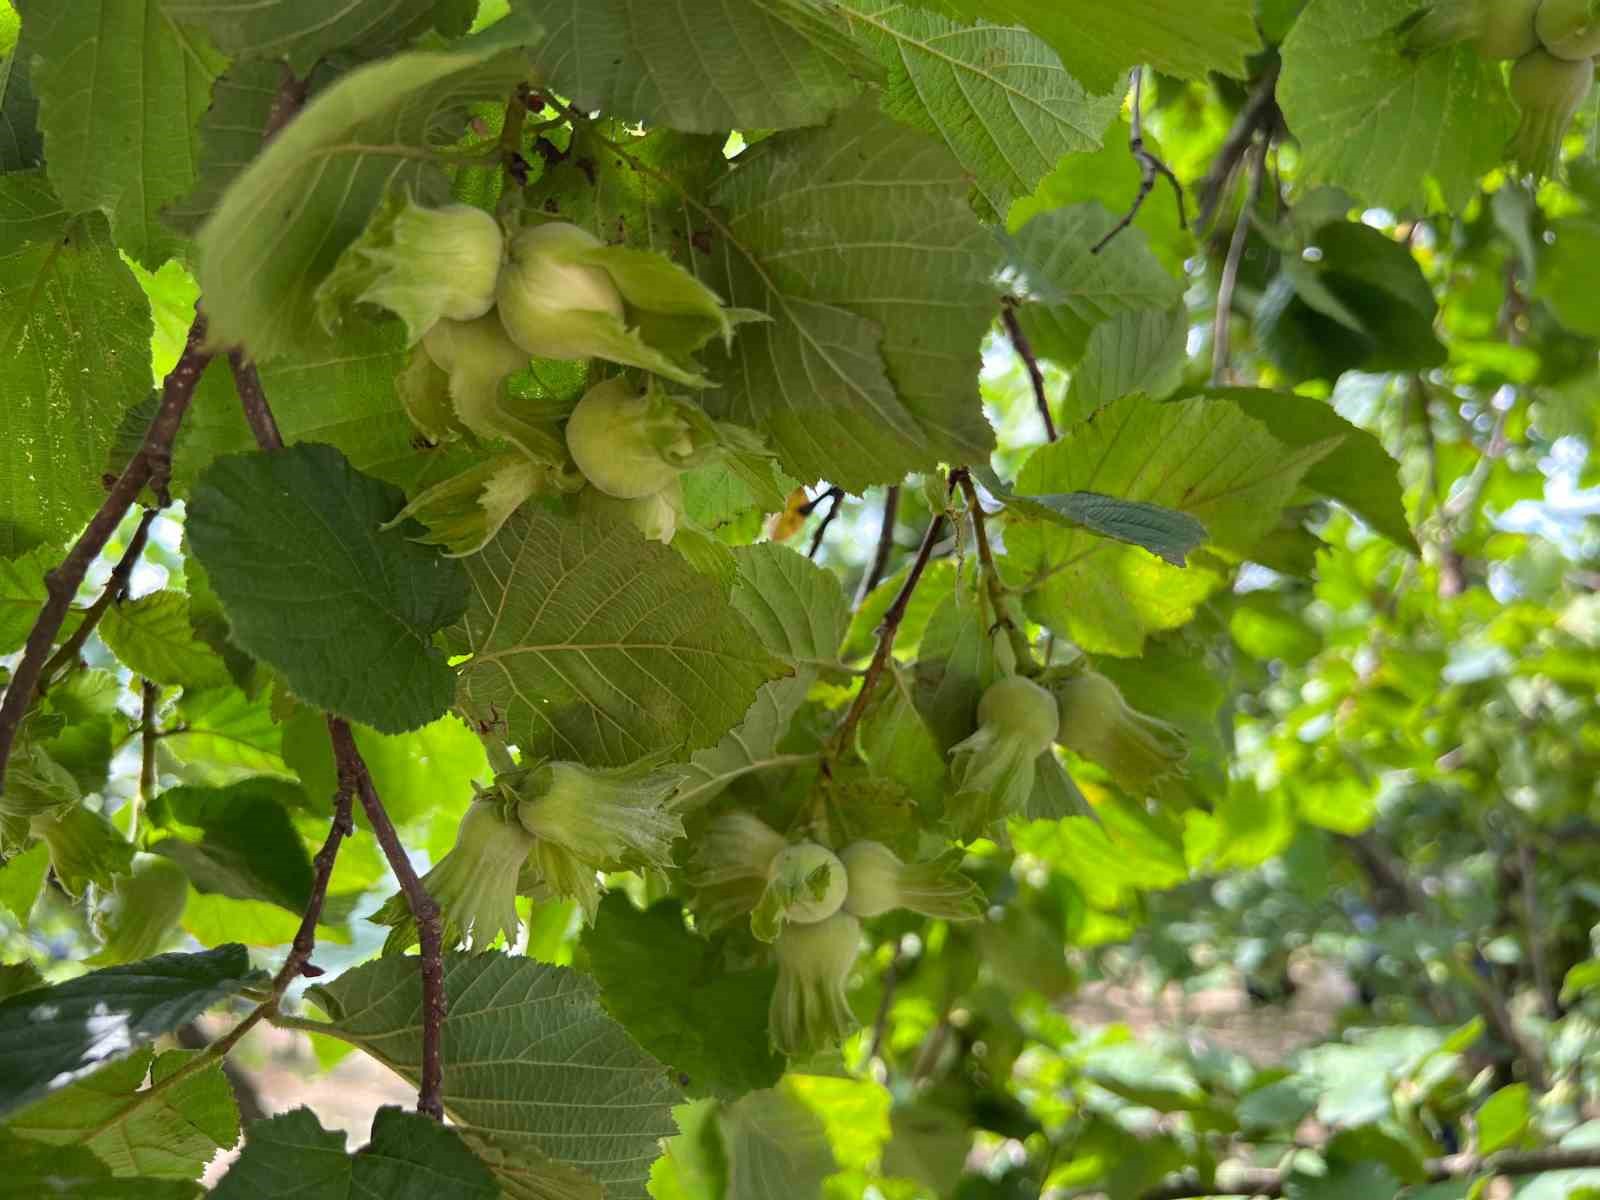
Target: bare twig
(1150, 167)
(890, 626)
(305, 939)
(1268, 1182)
(424, 911)
(1260, 114)
(149, 697)
(1220, 335)
(253, 399)
(834, 497)
(151, 465)
(879, 567)
(1008, 316)
(116, 591)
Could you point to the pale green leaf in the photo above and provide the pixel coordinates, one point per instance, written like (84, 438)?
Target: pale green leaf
(697, 1015)
(162, 1132)
(997, 96)
(22, 594)
(858, 241)
(284, 221)
(302, 31)
(21, 143)
(704, 67)
(1220, 467)
(1071, 290)
(151, 636)
(531, 1060)
(347, 610)
(1141, 351)
(410, 1157)
(223, 736)
(33, 1169)
(121, 88)
(1503, 1118)
(20, 881)
(750, 746)
(777, 1148)
(590, 643)
(797, 608)
(74, 352)
(1380, 123)
(50, 1037)
(1099, 42)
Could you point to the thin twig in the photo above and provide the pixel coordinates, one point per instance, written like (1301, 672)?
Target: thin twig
(424, 911)
(305, 939)
(291, 95)
(835, 498)
(151, 465)
(253, 399)
(115, 592)
(879, 566)
(1150, 167)
(1008, 316)
(1260, 114)
(890, 626)
(1549, 1000)
(1220, 335)
(149, 697)
(880, 1023)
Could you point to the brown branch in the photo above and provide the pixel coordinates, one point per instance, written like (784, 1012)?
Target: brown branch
(834, 497)
(305, 939)
(879, 566)
(149, 696)
(151, 465)
(424, 911)
(888, 629)
(116, 591)
(1220, 335)
(1150, 168)
(253, 399)
(291, 95)
(1260, 114)
(1268, 1182)
(1008, 316)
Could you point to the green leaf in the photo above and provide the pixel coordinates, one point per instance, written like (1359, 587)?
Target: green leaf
(706, 1021)
(410, 1157)
(104, 150)
(151, 636)
(73, 1173)
(750, 746)
(159, 1131)
(522, 1042)
(997, 96)
(50, 1037)
(702, 68)
(246, 847)
(21, 143)
(1134, 352)
(858, 241)
(1357, 472)
(1503, 1118)
(1228, 473)
(223, 736)
(1100, 42)
(1347, 1181)
(302, 31)
(284, 221)
(932, 589)
(20, 880)
(590, 643)
(22, 594)
(777, 1148)
(1382, 124)
(797, 608)
(1071, 289)
(1563, 282)
(1165, 533)
(74, 352)
(16, 978)
(347, 610)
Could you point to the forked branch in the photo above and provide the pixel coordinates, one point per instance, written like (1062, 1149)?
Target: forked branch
(1150, 169)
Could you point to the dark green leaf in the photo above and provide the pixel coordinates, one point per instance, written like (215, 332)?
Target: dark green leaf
(1167, 534)
(410, 1157)
(696, 1016)
(34, 1169)
(53, 1036)
(346, 610)
(303, 31)
(247, 846)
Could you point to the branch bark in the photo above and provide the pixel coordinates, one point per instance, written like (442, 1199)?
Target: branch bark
(879, 567)
(116, 590)
(152, 465)
(1008, 317)
(424, 910)
(1220, 335)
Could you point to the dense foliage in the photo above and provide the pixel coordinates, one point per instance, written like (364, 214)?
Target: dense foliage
(696, 575)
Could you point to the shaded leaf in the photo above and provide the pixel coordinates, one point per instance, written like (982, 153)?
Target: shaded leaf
(302, 31)
(1165, 533)
(152, 637)
(247, 846)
